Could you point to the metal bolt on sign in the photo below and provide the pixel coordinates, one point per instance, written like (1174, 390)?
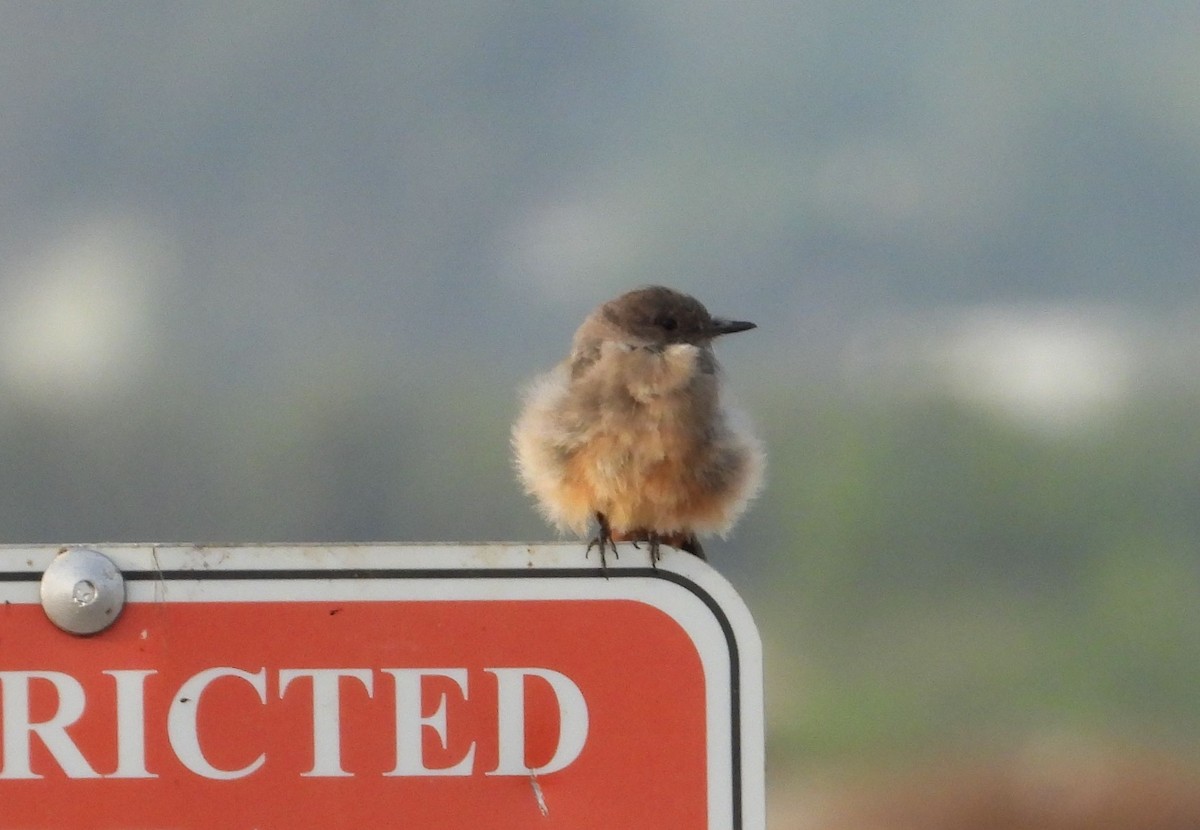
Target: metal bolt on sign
(83, 592)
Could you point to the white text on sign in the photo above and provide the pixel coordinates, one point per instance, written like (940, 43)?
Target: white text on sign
(18, 728)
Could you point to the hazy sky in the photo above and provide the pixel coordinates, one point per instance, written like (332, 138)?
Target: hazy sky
(215, 195)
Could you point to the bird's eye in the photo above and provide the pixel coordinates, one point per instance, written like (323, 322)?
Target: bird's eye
(666, 322)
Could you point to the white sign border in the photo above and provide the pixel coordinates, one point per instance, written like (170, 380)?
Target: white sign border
(688, 590)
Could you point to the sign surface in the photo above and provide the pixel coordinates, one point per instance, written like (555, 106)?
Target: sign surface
(488, 686)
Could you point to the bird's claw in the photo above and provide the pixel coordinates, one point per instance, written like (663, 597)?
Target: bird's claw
(603, 543)
(602, 540)
(655, 553)
(654, 540)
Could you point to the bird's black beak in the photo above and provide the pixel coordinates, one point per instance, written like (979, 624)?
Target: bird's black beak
(720, 326)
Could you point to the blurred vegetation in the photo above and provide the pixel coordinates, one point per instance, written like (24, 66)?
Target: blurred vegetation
(950, 575)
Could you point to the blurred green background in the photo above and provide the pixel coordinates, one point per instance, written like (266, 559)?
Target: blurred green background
(277, 271)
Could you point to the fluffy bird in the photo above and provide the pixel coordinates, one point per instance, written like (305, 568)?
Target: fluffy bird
(630, 431)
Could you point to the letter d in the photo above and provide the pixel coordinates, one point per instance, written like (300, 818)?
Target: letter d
(573, 721)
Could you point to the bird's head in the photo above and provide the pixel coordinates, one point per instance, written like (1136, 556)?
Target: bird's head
(658, 316)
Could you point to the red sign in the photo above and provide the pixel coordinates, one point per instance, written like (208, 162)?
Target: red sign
(444, 687)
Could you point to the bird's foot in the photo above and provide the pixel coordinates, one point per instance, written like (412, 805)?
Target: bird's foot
(602, 540)
(606, 539)
(655, 554)
(680, 540)
(654, 540)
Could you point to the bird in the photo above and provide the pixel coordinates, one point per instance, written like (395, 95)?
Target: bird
(630, 431)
